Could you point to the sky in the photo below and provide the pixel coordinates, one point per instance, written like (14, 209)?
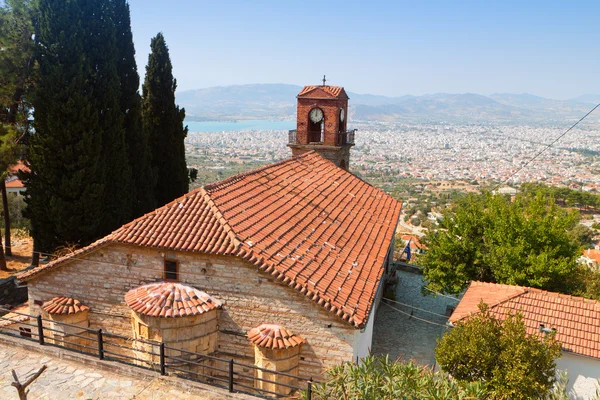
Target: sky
(393, 47)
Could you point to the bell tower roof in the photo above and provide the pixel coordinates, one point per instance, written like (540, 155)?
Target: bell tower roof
(323, 92)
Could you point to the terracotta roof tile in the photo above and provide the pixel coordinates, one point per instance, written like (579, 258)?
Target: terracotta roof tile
(16, 315)
(574, 318)
(169, 299)
(314, 226)
(14, 169)
(274, 337)
(333, 91)
(64, 306)
(15, 184)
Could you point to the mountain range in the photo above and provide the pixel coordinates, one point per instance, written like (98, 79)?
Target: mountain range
(274, 101)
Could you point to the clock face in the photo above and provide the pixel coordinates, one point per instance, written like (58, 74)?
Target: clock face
(342, 115)
(316, 115)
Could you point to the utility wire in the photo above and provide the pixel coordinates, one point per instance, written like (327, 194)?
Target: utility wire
(440, 294)
(412, 316)
(545, 148)
(415, 308)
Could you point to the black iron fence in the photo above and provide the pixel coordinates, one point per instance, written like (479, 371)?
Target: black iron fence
(216, 371)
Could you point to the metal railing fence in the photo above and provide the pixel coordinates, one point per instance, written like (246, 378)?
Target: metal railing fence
(98, 343)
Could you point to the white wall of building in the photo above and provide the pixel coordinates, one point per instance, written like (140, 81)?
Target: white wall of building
(363, 339)
(583, 373)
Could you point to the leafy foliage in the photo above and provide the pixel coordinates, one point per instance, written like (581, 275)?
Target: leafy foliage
(378, 378)
(492, 239)
(501, 355)
(563, 195)
(17, 76)
(163, 121)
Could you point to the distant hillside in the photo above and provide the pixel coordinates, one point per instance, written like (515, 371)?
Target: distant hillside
(588, 98)
(279, 101)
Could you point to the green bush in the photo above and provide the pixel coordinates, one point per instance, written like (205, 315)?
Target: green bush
(378, 378)
(16, 204)
(500, 355)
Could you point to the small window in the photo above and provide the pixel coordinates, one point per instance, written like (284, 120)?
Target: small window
(25, 332)
(171, 270)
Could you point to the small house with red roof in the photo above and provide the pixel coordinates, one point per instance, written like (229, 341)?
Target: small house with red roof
(282, 266)
(12, 181)
(576, 321)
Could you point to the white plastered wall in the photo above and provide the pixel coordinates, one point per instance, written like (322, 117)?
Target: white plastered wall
(583, 374)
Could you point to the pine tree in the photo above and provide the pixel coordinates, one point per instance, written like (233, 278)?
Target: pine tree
(66, 183)
(163, 120)
(17, 74)
(136, 139)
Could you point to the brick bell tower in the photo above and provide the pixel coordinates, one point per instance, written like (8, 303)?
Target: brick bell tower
(322, 124)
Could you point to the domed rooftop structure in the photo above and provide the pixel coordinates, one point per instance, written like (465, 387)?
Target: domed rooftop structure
(64, 306)
(169, 299)
(274, 337)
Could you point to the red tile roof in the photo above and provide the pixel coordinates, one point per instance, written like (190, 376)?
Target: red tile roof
(64, 306)
(314, 226)
(333, 91)
(592, 254)
(16, 315)
(274, 337)
(18, 166)
(15, 184)
(575, 319)
(169, 299)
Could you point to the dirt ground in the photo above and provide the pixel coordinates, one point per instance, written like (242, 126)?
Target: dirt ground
(21, 256)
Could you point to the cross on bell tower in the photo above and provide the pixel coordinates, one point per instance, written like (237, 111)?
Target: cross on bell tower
(322, 124)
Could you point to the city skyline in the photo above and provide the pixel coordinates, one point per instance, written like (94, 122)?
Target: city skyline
(377, 47)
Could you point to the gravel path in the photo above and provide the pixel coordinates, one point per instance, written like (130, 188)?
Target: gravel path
(71, 380)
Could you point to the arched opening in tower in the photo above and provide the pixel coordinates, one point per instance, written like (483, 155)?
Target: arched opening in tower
(315, 126)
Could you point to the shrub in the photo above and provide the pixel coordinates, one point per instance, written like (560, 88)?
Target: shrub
(501, 355)
(378, 378)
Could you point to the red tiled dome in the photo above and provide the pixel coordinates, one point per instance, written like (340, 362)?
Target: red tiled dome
(274, 337)
(168, 299)
(64, 306)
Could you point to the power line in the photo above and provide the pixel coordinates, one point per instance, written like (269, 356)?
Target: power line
(415, 317)
(546, 148)
(415, 308)
(440, 294)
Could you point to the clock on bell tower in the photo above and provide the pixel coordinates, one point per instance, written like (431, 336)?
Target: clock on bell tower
(322, 124)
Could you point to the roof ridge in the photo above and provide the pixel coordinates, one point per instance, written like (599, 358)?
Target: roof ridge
(565, 296)
(232, 179)
(220, 218)
(523, 290)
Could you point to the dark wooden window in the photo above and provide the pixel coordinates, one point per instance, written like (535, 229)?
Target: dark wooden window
(171, 267)
(26, 332)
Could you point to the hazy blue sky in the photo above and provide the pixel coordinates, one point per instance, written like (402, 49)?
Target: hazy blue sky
(391, 47)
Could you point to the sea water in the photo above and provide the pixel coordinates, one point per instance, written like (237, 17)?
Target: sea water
(250, 124)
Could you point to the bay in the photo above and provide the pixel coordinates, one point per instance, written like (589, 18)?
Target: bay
(250, 124)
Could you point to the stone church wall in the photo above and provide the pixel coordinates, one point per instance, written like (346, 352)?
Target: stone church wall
(101, 279)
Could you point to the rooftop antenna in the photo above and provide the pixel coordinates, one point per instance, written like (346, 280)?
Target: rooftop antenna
(324, 80)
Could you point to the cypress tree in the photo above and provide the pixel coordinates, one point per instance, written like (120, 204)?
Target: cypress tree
(136, 139)
(102, 54)
(66, 182)
(163, 120)
(79, 185)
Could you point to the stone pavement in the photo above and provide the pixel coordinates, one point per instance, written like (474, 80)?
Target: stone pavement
(405, 336)
(73, 380)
